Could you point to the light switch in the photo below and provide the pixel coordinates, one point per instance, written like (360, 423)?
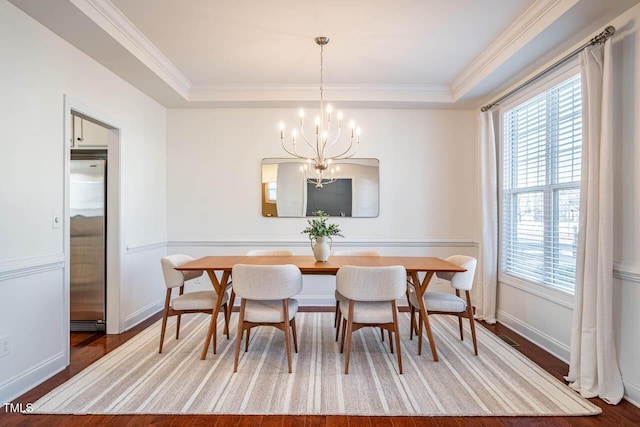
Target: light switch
(56, 220)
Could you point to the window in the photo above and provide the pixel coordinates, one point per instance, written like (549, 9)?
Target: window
(271, 191)
(541, 153)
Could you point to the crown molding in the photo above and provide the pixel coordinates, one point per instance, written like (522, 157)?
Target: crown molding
(285, 92)
(108, 17)
(531, 23)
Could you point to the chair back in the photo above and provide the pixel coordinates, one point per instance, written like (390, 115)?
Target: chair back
(372, 283)
(270, 252)
(266, 282)
(172, 277)
(356, 253)
(462, 280)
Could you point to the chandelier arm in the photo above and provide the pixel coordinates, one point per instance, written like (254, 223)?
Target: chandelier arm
(294, 154)
(341, 155)
(336, 138)
(305, 138)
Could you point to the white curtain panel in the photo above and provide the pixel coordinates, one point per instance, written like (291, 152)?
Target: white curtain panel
(594, 367)
(485, 293)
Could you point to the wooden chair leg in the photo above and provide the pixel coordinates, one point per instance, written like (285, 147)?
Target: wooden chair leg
(344, 334)
(246, 342)
(397, 332)
(239, 335)
(338, 327)
(295, 335)
(460, 319)
(381, 334)
(178, 326)
(287, 335)
(473, 324)
(165, 314)
(390, 342)
(336, 322)
(349, 333)
(420, 323)
(412, 322)
(179, 316)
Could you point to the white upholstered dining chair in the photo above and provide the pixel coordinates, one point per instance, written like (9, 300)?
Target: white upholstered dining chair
(266, 292)
(337, 317)
(370, 300)
(446, 303)
(254, 252)
(190, 302)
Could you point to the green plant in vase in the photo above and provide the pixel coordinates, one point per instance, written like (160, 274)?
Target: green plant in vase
(322, 233)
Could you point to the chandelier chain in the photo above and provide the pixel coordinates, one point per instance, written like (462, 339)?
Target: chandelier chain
(321, 83)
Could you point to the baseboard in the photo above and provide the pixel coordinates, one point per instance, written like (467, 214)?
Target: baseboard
(631, 393)
(542, 340)
(143, 314)
(20, 384)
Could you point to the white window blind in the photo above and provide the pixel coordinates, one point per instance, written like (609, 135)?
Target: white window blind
(542, 139)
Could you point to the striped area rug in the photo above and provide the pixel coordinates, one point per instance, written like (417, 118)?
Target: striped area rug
(135, 379)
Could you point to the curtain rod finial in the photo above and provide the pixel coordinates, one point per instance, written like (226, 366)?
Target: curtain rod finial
(604, 35)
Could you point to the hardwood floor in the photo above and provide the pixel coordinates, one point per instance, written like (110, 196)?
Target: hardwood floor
(88, 347)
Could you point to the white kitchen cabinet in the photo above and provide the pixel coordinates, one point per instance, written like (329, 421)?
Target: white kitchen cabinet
(87, 134)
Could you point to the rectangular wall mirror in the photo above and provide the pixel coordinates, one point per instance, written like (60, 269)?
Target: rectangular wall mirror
(286, 193)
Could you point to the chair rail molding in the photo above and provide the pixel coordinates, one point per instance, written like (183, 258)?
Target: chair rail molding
(19, 267)
(146, 245)
(626, 271)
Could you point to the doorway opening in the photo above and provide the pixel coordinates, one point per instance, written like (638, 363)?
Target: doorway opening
(92, 236)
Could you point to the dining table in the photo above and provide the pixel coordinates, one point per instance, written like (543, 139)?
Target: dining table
(308, 265)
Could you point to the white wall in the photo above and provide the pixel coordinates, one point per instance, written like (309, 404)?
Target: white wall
(545, 317)
(38, 70)
(428, 175)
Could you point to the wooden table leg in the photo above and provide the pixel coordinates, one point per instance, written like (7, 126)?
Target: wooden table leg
(221, 291)
(232, 299)
(420, 289)
(216, 310)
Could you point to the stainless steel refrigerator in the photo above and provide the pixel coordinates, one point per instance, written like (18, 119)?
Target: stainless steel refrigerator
(88, 241)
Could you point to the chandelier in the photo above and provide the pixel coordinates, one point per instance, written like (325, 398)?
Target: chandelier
(318, 169)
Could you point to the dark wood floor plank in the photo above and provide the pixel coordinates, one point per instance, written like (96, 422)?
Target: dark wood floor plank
(380, 421)
(86, 348)
(228, 421)
(205, 421)
(294, 421)
(359, 422)
(337, 420)
(403, 422)
(424, 421)
(315, 421)
(272, 421)
(184, 421)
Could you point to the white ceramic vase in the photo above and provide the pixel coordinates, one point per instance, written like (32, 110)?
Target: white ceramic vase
(321, 249)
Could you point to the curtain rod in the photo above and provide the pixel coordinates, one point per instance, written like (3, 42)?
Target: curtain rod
(599, 39)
